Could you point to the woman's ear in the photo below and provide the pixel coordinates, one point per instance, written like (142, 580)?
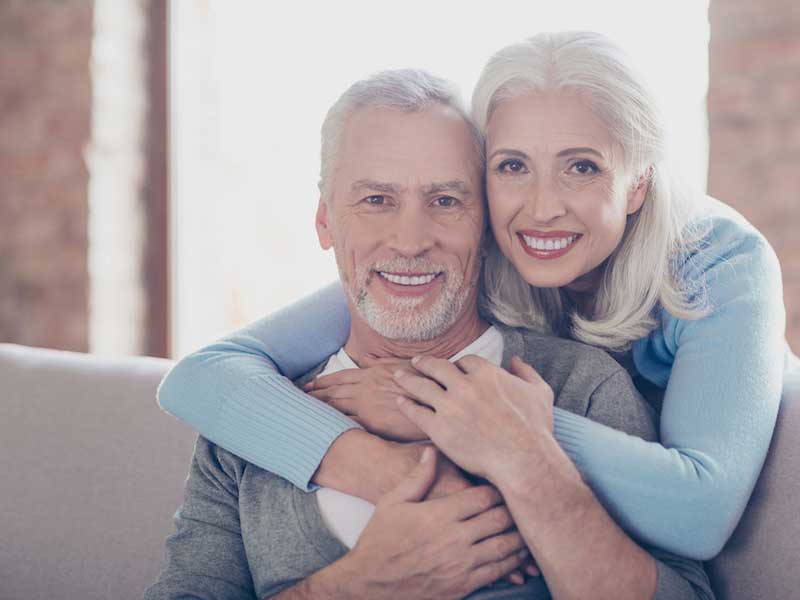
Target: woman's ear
(322, 225)
(638, 192)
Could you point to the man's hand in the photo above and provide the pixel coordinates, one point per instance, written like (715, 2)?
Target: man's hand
(367, 395)
(440, 548)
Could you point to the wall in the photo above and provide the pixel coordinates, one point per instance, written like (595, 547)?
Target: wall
(45, 112)
(754, 126)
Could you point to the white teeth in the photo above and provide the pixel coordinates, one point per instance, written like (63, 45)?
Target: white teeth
(549, 243)
(406, 280)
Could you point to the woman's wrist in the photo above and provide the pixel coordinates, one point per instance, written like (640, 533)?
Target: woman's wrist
(365, 465)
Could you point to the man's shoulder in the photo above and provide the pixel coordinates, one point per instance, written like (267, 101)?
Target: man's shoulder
(586, 381)
(221, 465)
(557, 359)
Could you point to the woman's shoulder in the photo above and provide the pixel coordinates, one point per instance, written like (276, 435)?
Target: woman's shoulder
(719, 235)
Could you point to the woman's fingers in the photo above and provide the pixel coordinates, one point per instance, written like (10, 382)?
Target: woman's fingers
(440, 370)
(421, 416)
(523, 370)
(345, 376)
(422, 389)
(472, 363)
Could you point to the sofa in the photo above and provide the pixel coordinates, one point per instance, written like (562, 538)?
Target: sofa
(91, 473)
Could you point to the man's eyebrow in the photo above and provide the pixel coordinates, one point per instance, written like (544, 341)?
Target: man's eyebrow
(580, 150)
(376, 186)
(454, 185)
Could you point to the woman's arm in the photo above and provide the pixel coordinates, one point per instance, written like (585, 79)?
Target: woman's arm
(723, 377)
(238, 392)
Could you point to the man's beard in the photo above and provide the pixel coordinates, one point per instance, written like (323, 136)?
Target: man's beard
(405, 319)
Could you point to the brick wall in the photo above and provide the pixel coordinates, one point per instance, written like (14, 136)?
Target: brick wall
(754, 120)
(45, 115)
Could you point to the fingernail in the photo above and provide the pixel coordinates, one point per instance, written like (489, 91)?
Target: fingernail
(400, 400)
(399, 373)
(517, 578)
(532, 571)
(426, 454)
(523, 553)
(415, 360)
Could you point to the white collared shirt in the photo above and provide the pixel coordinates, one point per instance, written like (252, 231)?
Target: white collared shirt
(346, 516)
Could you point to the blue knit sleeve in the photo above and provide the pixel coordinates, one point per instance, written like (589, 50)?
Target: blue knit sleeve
(723, 377)
(238, 393)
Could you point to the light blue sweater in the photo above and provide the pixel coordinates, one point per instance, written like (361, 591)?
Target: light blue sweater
(723, 375)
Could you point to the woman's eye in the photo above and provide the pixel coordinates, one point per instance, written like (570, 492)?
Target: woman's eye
(585, 167)
(375, 200)
(445, 201)
(511, 166)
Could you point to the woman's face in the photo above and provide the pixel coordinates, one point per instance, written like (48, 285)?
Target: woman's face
(559, 193)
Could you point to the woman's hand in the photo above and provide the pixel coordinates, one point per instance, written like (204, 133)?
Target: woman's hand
(367, 395)
(484, 418)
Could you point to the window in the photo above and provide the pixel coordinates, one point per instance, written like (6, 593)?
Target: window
(251, 83)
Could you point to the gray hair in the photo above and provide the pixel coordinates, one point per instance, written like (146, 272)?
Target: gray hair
(407, 90)
(643, 272)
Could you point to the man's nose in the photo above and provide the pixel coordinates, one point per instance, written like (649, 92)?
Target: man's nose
(544, 202)
(411, 232)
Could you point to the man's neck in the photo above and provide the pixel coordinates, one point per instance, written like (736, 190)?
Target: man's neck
(364, 340)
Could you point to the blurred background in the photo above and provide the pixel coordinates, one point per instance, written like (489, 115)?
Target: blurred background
(159, 160)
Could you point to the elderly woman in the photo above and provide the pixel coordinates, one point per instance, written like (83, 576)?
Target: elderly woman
(593, 241)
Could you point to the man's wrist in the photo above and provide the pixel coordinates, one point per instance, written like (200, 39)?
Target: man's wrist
(339, 580)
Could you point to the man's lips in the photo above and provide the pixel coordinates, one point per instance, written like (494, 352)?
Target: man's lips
(547, 244)
(408, 284)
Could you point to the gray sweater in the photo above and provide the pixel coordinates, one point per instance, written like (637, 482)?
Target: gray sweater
(245, 534)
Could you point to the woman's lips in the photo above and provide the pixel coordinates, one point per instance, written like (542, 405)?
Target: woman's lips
(548, 245)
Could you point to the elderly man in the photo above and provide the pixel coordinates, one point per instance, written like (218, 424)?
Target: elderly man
(403, 210)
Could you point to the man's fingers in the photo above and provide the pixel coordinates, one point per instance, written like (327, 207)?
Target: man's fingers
(523, 370)
(440, 370)
(498, 547)
(488, 523)
(419, 388)
(470, 502)
(490, 572)
(414, 486)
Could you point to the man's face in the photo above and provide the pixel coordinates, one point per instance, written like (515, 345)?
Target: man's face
(405, 218)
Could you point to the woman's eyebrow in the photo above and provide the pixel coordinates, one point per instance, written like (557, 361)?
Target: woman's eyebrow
(580, 150)
(509, 152)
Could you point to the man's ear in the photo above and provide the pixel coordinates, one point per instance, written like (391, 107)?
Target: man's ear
(321, 222)
(638, 192)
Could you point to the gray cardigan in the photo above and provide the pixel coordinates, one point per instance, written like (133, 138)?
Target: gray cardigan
(245, 534)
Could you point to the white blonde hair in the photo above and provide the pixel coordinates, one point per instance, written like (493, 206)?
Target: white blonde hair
(644, 271)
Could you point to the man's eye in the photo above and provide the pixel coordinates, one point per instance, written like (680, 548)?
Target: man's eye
(375, 200)
(511, 166)
(585, 167)
(445, 201)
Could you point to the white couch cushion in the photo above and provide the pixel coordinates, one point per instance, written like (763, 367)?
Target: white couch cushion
(91, 472)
